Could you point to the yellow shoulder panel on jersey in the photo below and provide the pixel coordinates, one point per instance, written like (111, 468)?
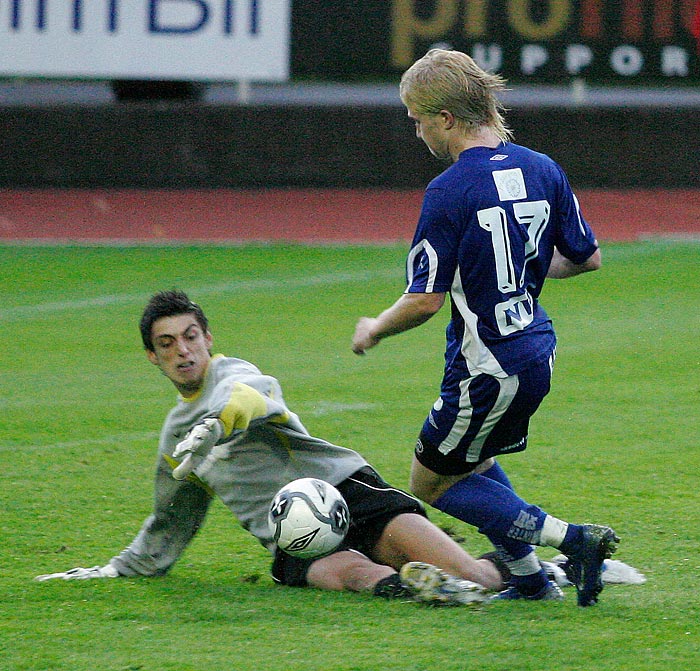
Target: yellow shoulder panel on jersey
(244, 405)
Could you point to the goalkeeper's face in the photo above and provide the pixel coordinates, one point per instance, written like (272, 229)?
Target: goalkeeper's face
(182, 351)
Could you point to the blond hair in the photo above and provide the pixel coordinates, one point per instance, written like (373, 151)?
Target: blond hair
(452, 81)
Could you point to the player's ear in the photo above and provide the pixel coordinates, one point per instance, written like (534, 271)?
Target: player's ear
(448, 118)
(152, 357)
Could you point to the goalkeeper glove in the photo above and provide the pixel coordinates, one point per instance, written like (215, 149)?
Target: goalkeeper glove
(107, 571)
(200, 439)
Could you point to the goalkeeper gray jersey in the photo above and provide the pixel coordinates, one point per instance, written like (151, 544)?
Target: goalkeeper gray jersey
(264, 447)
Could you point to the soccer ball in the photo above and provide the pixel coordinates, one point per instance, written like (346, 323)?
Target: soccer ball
(308, 518)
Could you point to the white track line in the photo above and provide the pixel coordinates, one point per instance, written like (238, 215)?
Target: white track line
(39, 310)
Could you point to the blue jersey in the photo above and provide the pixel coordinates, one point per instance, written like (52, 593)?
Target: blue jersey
(486, 235)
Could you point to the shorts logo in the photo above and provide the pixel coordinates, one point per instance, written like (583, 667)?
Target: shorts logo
(419, 447)
(432, 421)
(514, 447)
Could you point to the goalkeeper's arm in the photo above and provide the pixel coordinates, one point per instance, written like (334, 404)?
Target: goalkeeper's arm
(242, 407)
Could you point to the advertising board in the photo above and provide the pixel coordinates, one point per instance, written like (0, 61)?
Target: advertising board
(198, 40)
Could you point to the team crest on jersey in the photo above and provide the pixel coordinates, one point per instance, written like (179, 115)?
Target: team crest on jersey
(510, 184)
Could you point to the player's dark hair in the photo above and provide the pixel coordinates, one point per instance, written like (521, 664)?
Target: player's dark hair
(168, 304)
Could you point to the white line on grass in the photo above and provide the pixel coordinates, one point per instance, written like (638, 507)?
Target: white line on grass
(116, 439)
(324, 408)
(313, 409)
(39, 310)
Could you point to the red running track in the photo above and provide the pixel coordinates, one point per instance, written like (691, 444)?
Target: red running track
(301, 215)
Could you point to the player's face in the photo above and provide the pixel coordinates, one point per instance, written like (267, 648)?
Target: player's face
(432, 130)
(181, 351)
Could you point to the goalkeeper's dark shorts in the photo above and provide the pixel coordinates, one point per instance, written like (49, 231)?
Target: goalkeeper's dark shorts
(372, 503)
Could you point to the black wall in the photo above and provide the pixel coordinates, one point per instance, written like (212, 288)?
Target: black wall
(193, 145)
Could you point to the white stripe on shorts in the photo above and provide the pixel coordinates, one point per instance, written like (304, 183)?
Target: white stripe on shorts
(508, 389)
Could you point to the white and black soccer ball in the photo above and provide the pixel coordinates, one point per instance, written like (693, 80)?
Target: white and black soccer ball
(308, 518)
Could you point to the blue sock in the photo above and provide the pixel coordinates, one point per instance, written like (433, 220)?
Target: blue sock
(510, 551)
(497, 511)
(530, 584)
(488, 502)
(498, 474)
(573, 535)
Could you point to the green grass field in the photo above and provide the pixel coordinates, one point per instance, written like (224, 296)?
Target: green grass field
(81, 407)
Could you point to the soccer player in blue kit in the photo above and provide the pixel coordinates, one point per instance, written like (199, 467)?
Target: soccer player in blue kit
(492, 227)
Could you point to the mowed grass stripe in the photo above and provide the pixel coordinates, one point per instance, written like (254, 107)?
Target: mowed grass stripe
(39, 310)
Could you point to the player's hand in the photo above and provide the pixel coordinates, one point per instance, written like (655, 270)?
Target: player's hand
(107, 571)
(200, 439)
(363, 340)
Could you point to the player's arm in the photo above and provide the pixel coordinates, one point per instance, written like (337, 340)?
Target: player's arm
(560, 268)
(409, 311)
(179, 510)
(236, 407)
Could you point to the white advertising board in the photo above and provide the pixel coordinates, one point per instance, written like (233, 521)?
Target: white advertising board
(198, 40)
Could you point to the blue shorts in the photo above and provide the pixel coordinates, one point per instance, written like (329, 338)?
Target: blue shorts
(480, 417)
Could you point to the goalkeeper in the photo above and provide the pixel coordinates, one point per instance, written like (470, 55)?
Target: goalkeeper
(231, 436)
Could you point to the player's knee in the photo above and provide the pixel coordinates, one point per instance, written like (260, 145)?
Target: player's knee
(423, 492)
(424, 483)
